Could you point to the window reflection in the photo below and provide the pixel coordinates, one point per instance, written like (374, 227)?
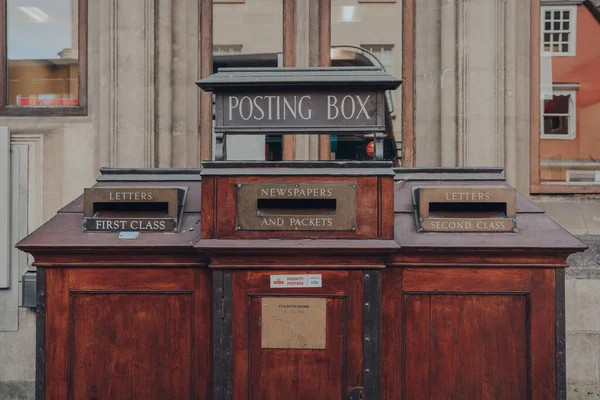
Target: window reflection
(42, 52)
(249, 34)
(569, 137)
(368, 34)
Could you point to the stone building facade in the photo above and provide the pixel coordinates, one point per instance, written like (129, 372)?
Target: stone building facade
(474, 82)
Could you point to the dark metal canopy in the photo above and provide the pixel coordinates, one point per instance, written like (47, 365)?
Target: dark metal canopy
(256, 79)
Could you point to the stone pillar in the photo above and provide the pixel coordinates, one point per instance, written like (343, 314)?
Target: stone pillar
(147, 93)
(471, 83)
(307, 55)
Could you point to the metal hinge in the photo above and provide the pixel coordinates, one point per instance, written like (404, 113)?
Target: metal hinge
(356, 393)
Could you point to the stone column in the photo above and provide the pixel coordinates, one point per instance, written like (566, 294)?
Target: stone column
(307, 55)
(471, 83)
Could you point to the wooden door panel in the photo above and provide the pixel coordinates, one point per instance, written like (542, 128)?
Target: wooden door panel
(132, 346)
(466, 346)
(294, 373)
(298, 374)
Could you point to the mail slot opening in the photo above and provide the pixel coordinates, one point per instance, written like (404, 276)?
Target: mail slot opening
(133, 209)
(296, 206)
(448, 210)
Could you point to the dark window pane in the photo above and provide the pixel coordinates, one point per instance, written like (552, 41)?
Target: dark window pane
(546, 37)
(547, 26)
(565, 48)
(558, 105)
(556, 37)
(42, 52)
(566, 14)
(564, 37)
(556, 125)
(557, 26)
(566, 25)
(556, 14)
(548, 15)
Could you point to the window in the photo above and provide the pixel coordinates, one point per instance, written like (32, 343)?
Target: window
(582, 176)
(384, 53)
(558, 25)
(565, 155)
(558, 120)
(44, 55)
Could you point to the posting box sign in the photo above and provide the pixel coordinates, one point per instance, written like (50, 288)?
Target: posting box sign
(466, 209)
(296, 207)
(306, 112)
(114, 209)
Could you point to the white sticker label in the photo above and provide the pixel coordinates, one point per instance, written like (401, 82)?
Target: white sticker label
(128, 235)
(296, 281)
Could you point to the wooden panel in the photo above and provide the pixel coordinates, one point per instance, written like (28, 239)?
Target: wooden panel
(343, 289)
(391, 337)
(386, 208)
(132, 346)
(298, 374)
(202, 336)
(472, 279)
(416, 348)
(240, 303)
(543, 335)
(366, 208)
(477, 344)
(131, 279)
(57, 334)
(209, 208)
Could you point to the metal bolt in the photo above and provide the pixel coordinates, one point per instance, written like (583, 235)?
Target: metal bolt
(353, 186)
(367, 371)
(239, 185)
(367, 305)
(297, 185)
(367, 276)
(420, 229)
(421, 219)
(238, 227)
(367, 339)
(353, 228)
(515, 230)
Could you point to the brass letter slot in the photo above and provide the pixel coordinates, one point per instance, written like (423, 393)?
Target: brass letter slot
(116, 209)
(296, 207)
(465, 209)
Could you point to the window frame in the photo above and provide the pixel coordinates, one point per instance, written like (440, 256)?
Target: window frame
(572, 28)
(571, 172)
(536, 186)
(16, 111)
(572, 115)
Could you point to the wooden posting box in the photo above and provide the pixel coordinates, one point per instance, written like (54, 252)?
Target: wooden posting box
(416, 283)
